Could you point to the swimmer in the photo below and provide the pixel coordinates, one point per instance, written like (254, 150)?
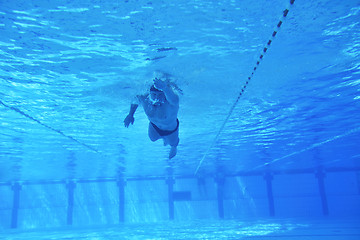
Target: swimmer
(161, 105)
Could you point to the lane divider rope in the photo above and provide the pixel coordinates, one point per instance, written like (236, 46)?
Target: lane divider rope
(48, 127)
(312, 146)
(264, 51)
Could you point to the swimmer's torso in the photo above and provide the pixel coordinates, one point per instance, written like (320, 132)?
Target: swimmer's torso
(164, 115)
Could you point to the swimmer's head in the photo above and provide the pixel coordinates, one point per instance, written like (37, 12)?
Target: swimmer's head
(154, 89)
(156, 96)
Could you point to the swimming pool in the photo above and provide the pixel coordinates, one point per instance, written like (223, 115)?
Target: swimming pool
(269, 118)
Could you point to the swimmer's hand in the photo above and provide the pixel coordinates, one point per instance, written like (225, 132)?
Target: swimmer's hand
(129, 119)
(159, 84)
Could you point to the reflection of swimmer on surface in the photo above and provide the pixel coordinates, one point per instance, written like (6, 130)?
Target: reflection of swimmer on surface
(161, 106)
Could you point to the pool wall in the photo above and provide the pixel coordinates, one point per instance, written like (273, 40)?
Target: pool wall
(291, 194)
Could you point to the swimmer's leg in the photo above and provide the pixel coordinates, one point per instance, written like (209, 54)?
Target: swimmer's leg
(153, 134)
(173, 140)
(173, 151)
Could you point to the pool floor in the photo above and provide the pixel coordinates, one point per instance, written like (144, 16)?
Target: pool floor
(292, 229)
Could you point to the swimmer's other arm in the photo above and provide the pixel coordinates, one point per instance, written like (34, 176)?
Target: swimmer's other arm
(130, 117)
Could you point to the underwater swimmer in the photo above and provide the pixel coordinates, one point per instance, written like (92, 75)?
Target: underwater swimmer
(161, 105)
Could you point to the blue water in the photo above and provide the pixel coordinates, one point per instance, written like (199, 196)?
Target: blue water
(69, 71)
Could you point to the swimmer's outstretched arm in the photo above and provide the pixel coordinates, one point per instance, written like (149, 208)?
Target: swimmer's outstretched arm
(171, 97)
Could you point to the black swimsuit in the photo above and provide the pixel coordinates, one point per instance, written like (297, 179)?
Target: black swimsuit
(165, 132)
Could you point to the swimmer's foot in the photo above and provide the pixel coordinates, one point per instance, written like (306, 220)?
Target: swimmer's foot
(172, 152)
